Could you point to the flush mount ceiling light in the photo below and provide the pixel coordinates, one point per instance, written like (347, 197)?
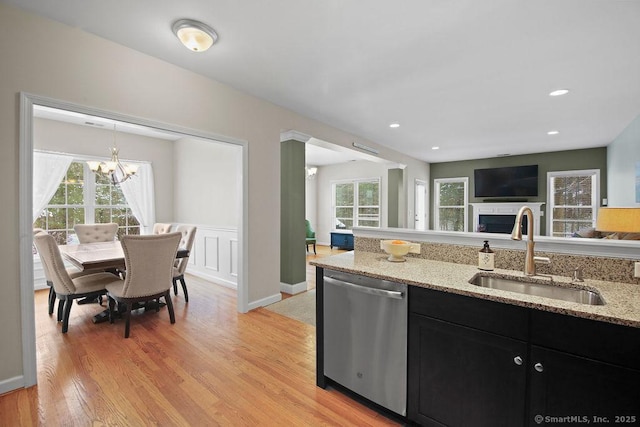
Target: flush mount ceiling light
(195, 35)
(559, 92)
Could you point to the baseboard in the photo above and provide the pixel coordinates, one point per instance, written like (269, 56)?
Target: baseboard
(11, 384)
(265, 301)
(214, 279)
(293, 289)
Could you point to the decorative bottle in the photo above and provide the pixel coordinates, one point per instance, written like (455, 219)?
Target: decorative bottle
(485, 257)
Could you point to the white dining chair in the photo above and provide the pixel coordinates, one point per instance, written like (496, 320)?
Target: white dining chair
(161, 228)
(66, 288)
(149, 263)
(93, 233)
(180, 266)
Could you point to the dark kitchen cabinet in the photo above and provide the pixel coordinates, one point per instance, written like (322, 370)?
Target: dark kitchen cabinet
(461, 376)
(342, 240)
(478, 362)
(563, 385)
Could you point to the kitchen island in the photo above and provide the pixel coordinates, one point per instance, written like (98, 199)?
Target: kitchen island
(480, 356)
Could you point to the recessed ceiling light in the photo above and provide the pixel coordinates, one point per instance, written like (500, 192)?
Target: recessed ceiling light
(435, 148)
(559, 92)
(194, 35)
(553, 132)
(394, 125)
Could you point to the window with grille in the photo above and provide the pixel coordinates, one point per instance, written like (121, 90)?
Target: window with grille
(451, 196)
(356, 204)
(572, 200)
(84, 198)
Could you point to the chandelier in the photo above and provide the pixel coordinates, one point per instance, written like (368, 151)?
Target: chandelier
(113, 169)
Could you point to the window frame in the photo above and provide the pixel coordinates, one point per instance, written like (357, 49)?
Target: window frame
(89, 194)
(595, 195)
(437, 206)
(355, 216)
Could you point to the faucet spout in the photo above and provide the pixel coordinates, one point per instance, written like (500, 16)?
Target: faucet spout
(516, 234)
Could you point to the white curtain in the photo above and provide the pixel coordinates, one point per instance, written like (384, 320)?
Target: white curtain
(48, 171)
(140, 195)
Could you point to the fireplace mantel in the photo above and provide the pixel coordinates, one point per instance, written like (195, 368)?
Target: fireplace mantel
(506, 208)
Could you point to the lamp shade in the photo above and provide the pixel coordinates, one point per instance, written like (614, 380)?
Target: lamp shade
(619, 220)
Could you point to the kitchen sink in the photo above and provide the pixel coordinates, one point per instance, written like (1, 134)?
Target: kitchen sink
(538, 288)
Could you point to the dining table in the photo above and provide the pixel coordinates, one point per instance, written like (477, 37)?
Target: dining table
(100, 255)
(108, 256)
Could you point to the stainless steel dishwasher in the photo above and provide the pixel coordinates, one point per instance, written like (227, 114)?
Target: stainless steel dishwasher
(365, 337)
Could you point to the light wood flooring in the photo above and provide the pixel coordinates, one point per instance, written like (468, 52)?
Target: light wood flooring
(214, 366)
(321, 252)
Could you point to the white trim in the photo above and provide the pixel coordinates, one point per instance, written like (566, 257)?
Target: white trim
(507, 208)
(294, 135)
(25, 206)
(296, 288)
(595, 195)
(436, 201)
(605, 248)
(25, 162)
(265, 301)
(12, 383)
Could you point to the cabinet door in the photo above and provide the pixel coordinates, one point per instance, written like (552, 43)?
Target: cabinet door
(564, 385)
(459, 376)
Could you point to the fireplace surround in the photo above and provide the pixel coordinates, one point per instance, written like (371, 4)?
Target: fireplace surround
(500, 217)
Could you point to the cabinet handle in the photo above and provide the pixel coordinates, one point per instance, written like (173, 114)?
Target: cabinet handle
(538, 367)
(517, 360)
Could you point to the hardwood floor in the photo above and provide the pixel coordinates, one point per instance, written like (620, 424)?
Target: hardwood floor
(322, 251)
(214, 366)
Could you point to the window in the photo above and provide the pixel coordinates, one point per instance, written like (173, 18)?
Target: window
(356, 204)
(450, 204)
(83, 201)
(572, 200)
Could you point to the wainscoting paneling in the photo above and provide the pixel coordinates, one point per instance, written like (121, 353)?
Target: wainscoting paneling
(215, 255)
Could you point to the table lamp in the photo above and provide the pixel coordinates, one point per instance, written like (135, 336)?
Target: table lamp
(619, 220)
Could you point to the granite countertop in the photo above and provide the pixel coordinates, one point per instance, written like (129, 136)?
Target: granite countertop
(622, 300)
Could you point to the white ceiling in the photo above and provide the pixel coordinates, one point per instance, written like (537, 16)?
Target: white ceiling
(469, 76)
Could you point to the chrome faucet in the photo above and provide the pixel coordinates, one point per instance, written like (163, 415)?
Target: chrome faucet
(529, 259)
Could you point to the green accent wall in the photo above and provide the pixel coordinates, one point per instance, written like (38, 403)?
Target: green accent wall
(592, 158)
(292, 211)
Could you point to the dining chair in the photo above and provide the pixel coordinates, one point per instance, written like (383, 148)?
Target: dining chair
(311, 236)
(180, 265)
(71, 271)
(92, 233)
(149, 263)
(66, 288)
(161, 228)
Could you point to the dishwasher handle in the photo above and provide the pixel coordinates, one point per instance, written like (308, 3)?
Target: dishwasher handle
(364, 289)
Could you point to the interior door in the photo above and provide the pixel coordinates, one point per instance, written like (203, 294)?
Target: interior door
(421, 205)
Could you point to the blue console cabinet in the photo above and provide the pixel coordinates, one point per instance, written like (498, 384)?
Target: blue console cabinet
(342, 240)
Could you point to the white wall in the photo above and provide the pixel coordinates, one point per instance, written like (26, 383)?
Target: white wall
(206, 181)
(69, 138)
(622, 155)
(64, 63)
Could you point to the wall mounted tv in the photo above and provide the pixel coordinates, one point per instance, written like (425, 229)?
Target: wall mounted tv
(515, 181)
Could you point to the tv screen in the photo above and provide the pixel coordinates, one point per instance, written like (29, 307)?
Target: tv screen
(515, 181)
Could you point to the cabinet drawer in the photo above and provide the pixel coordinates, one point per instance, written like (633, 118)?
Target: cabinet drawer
(498, 318)
(596, 340)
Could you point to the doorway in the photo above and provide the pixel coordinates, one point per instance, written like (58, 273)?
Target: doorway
(421, 205)
(27, 103)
